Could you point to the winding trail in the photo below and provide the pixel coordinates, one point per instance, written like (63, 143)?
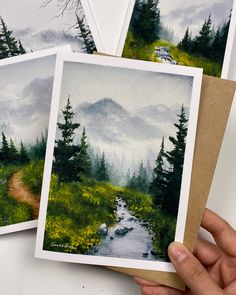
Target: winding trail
(18, 191)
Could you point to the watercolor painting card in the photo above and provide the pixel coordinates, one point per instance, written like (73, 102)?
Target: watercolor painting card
(25, 96)
(42, 24)
(198, 34)
(119, 160)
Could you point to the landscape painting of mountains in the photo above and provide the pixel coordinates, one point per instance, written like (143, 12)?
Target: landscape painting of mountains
(179, 32)
(117, 162)
(25, 96)
(27, 26)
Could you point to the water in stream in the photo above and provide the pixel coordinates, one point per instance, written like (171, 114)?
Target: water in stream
(136, 243)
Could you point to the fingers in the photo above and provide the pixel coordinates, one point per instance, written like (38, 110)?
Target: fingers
(160, 291)
(207, 252)
(142, 282)
(191, 271)
(223, 233)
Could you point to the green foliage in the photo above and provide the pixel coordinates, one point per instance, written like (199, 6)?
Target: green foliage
(85, 34)
(139, 182)
(38, 150)
(145, 22)
(24, 157)
(9, 46)
(33, 175)
(11, 212)
(75, 212)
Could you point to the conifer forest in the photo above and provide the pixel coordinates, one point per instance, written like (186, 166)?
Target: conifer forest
(91, 211)
(150, 38)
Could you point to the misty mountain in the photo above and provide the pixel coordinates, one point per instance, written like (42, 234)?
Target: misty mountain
(46, 39)
(107, 121)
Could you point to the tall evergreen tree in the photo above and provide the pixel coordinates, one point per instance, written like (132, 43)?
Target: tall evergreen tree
(85, 34)
(202, 42)
(65, 150)
(82, 160)
(223, 38)
(176, 160)
(102, 170)
(13, 153)
(24, 157)
(133, 182)
(186, 43)
(216, 47)
(145, 23)
(158, 184)
(10, 42)
(5, 150)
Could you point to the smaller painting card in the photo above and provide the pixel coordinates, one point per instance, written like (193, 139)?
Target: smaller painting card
(29, 26)
(25, 96)
(118, 163)
(198, 34)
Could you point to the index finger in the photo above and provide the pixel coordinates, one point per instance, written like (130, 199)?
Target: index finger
(222, 232)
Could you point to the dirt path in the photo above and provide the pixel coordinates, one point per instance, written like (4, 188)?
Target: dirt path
(22, 194)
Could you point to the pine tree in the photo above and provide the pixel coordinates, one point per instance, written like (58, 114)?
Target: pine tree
(176, 160)
(145, 23)
(10, 42)
(5, 150)
(21, 48)
(85, 34)
(65, 151)
(142, 179)
(216, 47)
(186, 43)
(202, 43)
(133, 182)
(83, 160)
(13, 153)
(158, 184)
(24, 157)
(102, 170)
(38, 150)
(223, 38)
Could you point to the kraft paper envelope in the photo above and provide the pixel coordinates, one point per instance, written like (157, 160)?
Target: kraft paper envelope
(216, 100)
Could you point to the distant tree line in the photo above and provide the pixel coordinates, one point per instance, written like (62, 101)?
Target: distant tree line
(208, 43)
(73, 162)
(167, 174)
(9, 45)
(10, 154)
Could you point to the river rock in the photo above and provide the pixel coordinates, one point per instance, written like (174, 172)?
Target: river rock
(122, 231)
(130, 228)
(111, 238)
(103, 229)
(154, 252)
(145, 254)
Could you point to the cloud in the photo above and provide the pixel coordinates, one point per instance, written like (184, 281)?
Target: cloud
(32, 40)
(26, 116)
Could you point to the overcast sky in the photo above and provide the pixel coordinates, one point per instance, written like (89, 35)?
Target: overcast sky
(37, 26)
(130, 88)
(25, 97)
(180, 14)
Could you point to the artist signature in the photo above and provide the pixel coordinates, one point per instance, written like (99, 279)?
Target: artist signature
(64, 246)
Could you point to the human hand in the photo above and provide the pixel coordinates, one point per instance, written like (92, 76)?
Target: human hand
(212, 268)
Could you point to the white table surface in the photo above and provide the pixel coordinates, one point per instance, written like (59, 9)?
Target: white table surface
(21, 274)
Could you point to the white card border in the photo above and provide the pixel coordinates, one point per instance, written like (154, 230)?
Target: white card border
(196, 73)
(92, 25)
(11, 61)
(229, 45)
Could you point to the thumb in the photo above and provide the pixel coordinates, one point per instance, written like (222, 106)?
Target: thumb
(191, 271)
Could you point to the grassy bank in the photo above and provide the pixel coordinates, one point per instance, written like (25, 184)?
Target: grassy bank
(137, 49)
(75, 212)
(11, 212)
(161, 225)
(33, 176)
